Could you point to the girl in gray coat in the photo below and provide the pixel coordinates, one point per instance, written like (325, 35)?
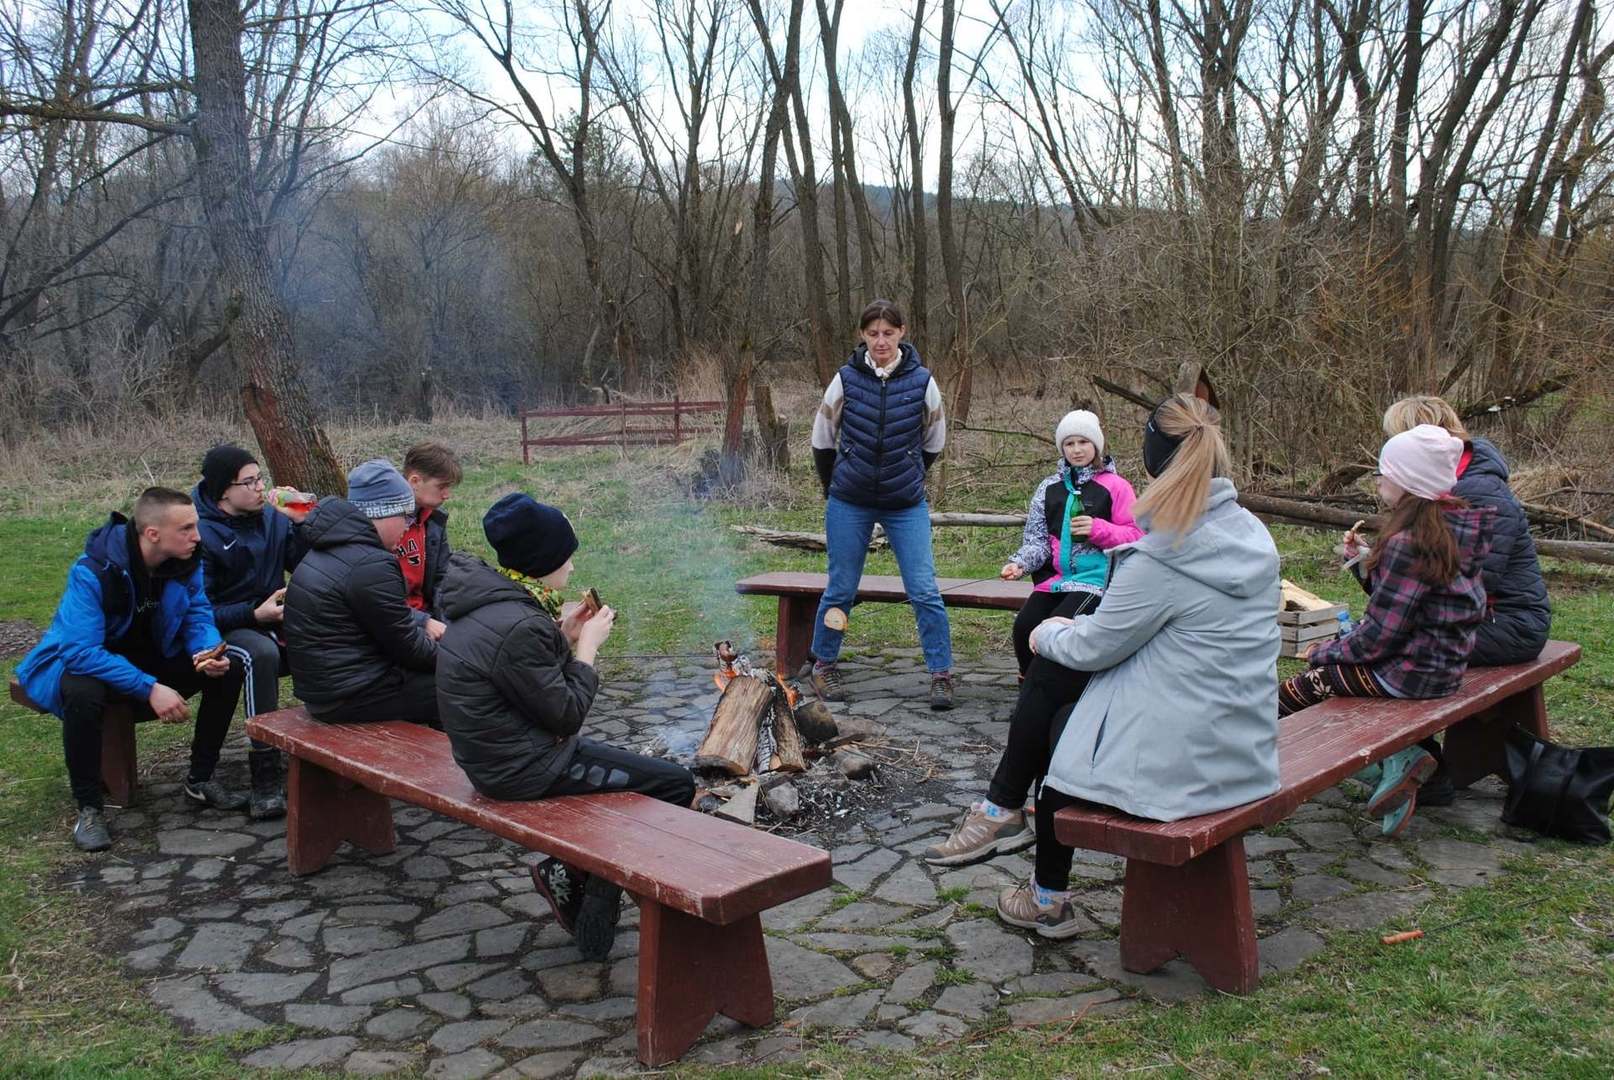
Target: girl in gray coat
(1180, 716)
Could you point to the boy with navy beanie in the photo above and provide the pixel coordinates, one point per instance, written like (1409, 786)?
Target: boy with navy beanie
(515, 681)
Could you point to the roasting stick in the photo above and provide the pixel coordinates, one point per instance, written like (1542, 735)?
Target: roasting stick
(1361, 553)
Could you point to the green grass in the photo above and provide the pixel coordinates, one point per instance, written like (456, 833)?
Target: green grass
(1519, 990)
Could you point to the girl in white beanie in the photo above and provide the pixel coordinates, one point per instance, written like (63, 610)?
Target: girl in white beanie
(1426, 599)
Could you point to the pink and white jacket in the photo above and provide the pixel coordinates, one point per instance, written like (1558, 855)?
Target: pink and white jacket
(1105, 497)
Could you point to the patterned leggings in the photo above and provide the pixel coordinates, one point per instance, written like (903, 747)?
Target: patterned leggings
(1321, 683)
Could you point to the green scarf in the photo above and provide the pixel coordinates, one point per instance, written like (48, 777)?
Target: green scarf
(548, 599)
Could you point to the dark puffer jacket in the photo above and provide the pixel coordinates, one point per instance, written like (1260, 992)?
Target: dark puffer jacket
(880, 461)
(509, 693)
(347, 626)
(1518, 616)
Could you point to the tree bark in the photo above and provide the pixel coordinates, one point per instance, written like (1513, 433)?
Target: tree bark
(917, 311)
(277, 405)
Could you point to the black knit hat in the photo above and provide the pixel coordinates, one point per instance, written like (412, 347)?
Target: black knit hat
(220, 466)
(529, 537)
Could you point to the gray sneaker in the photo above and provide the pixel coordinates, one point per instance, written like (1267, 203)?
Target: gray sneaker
(979, 837)
(90, 831)
(941, 691)
(214, 796)
(826, 680)
(1018, 907)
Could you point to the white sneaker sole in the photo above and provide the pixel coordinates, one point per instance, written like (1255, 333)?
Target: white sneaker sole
(1007, 845)
(1054, 933)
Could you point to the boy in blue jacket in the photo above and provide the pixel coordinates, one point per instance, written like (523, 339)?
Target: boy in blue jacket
(134, 622)
(248, 546)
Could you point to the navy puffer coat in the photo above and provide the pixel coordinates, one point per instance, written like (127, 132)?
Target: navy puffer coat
(1518, 616)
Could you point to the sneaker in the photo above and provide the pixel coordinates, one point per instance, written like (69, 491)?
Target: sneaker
(90, 831)
(978, 837)
(1438, 790)
(212, 795)
(601, 910)
(562, 888)
(1396, 821)
(1369, 777)
(1018, 907)
(941, 691)
(1403, 772)
(268, 798)
(826, 682)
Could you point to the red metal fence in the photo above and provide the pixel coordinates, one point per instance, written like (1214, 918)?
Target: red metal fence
(622, 434)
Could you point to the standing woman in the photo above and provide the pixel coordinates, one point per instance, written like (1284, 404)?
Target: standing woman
(875, 435)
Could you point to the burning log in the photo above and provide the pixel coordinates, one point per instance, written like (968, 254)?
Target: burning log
(787, 750)
(731, 740)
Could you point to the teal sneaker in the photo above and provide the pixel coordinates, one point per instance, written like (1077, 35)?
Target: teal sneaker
(1369, 777)
(1403, 772)
(1396, 821)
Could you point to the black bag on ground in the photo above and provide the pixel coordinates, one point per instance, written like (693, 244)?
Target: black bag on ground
(1558, 790)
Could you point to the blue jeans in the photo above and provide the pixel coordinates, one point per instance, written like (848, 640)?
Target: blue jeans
(848, 528)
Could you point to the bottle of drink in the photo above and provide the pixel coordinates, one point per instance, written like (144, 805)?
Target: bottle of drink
(292, 499)
(1345, 624)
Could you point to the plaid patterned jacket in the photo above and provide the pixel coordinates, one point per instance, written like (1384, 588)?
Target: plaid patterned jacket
(1417, 637)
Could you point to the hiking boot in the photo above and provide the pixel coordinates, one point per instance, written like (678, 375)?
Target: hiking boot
(562, 888)
(268, 798)
(941, 691)
(1438, 790)
(1404, 770)
(1018, 907)
(1396, 821)
(90, 831)
(978, 837)
(212, 795)
(601, 910)
(826, 682)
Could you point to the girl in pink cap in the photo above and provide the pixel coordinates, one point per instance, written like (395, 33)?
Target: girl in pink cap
(1426, 599)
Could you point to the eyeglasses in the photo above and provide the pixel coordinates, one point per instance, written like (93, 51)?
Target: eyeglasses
(253, 481)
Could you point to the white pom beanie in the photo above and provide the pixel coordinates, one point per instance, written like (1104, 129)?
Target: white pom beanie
(1422, 461)
(1083, 423)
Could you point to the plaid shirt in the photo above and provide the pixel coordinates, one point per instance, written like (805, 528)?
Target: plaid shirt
(1416, 637)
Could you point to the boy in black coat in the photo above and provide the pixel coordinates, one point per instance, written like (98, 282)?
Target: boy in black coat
(515, 679)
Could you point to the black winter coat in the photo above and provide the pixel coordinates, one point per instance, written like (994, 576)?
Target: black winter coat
(509, 693)
(348, 629)
(436, 562)
(1518, 616)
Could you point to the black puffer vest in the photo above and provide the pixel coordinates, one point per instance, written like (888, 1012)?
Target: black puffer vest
(878, 459)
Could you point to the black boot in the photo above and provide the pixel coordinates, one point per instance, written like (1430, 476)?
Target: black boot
(268, 799)
(601, 910)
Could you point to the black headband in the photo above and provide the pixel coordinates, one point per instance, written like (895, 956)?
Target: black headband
(1158, 447)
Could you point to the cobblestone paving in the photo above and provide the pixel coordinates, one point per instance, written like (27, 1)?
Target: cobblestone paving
(440, 956)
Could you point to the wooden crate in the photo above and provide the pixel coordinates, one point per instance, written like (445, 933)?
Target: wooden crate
(1298, 629)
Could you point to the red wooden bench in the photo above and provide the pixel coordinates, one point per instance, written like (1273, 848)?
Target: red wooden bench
(799, 593)
(117, 746)
(700, 882)
(1187, 892)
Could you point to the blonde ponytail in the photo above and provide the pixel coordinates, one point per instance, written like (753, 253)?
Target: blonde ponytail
(1176, 499)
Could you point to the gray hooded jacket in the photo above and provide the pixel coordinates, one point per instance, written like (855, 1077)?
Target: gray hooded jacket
(1181, 718)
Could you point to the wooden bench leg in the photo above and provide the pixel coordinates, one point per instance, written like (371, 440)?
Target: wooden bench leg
(1199, 911)
(795, 633)
(1476, 747)
(323, 809)
(691, 970)
(118, 766)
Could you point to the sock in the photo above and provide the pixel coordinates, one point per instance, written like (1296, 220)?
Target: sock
(1047, 897)
(993, 810)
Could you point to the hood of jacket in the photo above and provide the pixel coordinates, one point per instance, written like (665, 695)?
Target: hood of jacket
(1485, 460)
(335, 522)
(1227, 549)
(471, 584)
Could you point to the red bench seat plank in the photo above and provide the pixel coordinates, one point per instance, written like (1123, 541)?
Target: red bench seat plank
(1317, 747)
(717, 870)
(884, 588)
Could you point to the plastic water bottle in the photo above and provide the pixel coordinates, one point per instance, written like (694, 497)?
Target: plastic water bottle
(1345, 624)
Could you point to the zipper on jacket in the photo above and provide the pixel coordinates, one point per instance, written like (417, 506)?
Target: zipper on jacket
(879, 443)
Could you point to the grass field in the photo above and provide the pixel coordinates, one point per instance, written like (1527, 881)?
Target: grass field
(1522, 988)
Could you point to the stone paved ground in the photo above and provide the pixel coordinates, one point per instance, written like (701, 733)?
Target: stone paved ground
(440, 956)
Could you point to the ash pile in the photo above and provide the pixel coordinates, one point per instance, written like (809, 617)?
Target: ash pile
(774, 754)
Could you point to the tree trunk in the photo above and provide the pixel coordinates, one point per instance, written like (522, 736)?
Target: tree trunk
(277, 405)
(916, 182)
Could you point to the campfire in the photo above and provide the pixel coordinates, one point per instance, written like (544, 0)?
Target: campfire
(764, 735)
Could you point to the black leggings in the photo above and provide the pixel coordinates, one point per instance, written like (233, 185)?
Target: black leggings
(602, 767)
(1053, 858)
(84, 702)
(1040, 606)
(1039, 714)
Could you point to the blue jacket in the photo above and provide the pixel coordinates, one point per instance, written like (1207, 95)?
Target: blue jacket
(880, 460)
(244, 559)
(97, 608)
(1518, 616)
